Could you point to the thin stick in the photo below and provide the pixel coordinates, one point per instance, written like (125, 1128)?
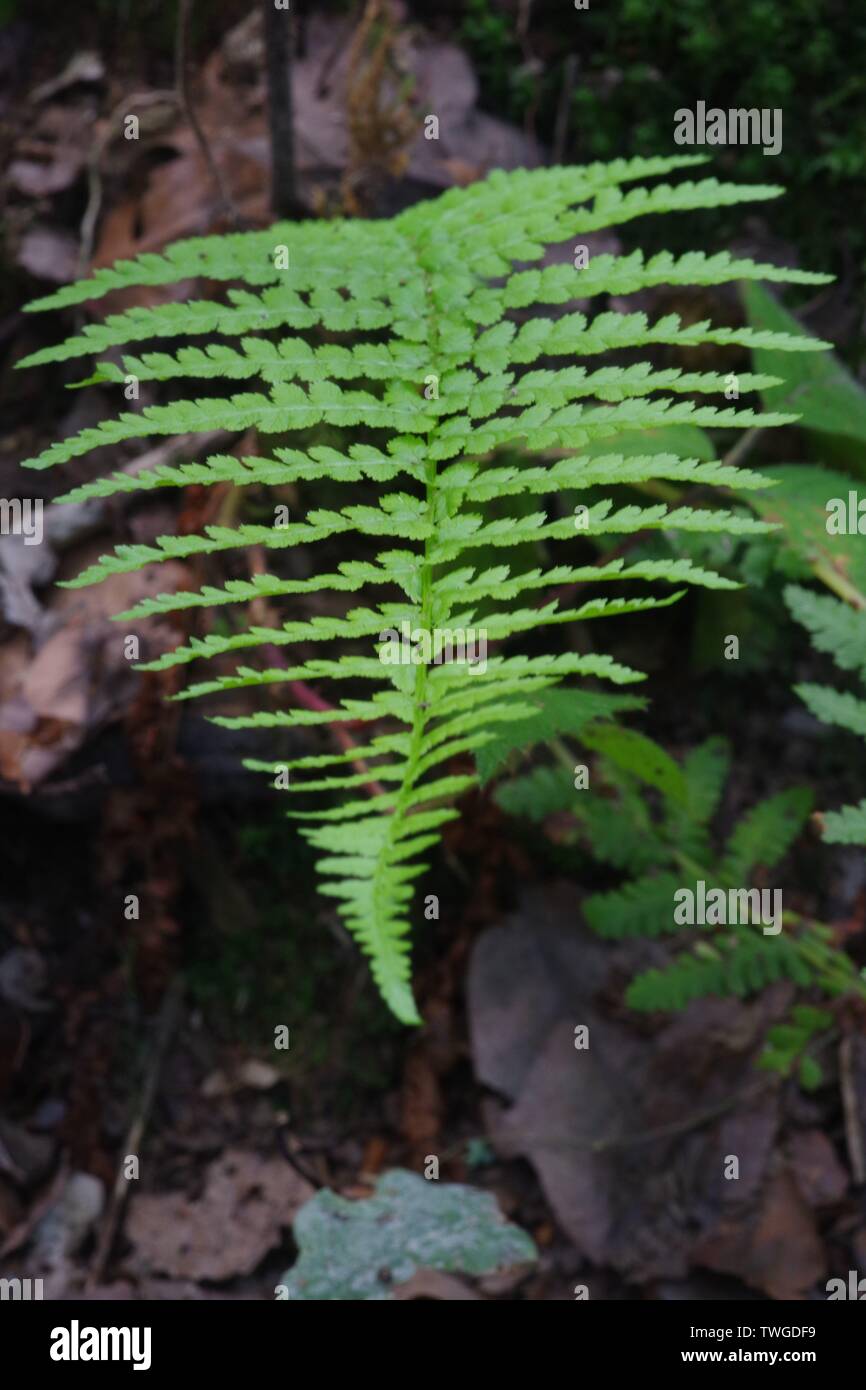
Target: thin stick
(184, 11)
(839, 583)
(851, 1109)
(743, 447)
(94, 169)
(648, 1136)
(168, 1016)
(563, 110)
(278, 60)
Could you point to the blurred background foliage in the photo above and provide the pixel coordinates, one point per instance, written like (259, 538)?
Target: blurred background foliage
(614, 76)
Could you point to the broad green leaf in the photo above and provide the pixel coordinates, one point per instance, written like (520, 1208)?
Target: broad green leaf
(826, 396)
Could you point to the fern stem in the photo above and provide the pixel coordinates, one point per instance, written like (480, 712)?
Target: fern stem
(419, 706)
(830, 576)
(743, 447)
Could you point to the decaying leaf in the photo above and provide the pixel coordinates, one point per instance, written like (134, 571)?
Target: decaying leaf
(246, 1202)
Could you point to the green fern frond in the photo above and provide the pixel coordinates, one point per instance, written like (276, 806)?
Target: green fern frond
(839, 630)
(738, 966)
(643, 907)
(541, 793)
(401, 355)
(659, 852)
(705, 770)
(846, 827)
(834, 707)
(555, 711)
(833, 626)
(786, 1044)
(622, 832)
(765, 834)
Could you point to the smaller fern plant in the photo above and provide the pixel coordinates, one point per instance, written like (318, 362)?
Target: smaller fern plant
(649, 816)
(840, 631)
(395, 359)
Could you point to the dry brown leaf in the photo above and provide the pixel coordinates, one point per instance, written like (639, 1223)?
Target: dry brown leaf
(819, 1175)
(246, 1202)
(779, 1252)
(630, 1137)
(79, 679)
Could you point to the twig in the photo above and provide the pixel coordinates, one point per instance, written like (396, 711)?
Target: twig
(292, 1159)
(278, 61)
(734, 457)
(702, 1117)
(524, 14)
(648, 1136)
(94, 169)
(839, 583)
(563, 110)
(851, 1109)
(184, 10)
(168, 1017)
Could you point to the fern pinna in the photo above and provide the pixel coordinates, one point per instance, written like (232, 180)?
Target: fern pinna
(839, 630)
(427, 318)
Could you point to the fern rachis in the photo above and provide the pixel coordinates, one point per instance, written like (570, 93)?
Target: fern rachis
(425, 318)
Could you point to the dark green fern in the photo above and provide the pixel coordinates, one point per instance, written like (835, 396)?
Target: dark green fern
(650, 816)
(840, 631)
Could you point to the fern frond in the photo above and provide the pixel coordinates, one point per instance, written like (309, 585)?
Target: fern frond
(539, 794)
(833, 626)
(765, 834)
(736, 965)
(401, 355)
(841, 631)
(704, 770)
(555, 711)
(834, 707)
(643, 907)
(846, 827)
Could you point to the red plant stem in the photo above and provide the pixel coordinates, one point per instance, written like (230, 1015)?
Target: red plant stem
(309, 699)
